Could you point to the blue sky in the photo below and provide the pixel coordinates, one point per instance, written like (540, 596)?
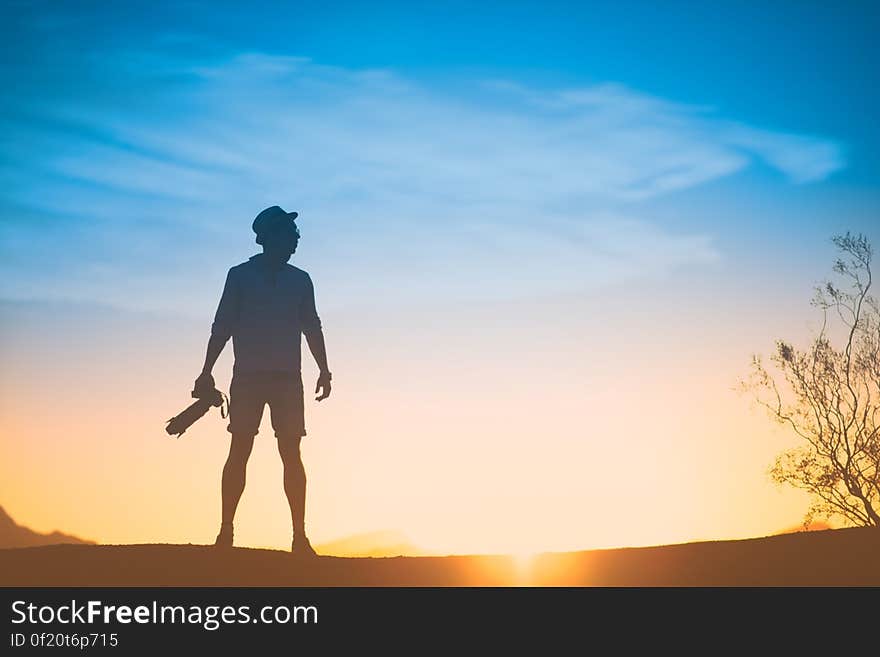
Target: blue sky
(448, 142)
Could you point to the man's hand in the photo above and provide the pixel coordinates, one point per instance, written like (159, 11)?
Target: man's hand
(204, 385)
(323, 386)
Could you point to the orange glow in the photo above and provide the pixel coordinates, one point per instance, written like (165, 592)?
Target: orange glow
(460, 444)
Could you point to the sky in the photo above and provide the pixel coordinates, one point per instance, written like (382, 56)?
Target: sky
(546, 239)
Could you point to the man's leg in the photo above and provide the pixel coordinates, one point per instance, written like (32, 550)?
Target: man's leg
(233, 483)
(294, 481)
(286, 408)
(234, 474)
(245, 412)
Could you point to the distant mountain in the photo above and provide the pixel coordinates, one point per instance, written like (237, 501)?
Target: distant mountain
(371, 544)
(13, 535)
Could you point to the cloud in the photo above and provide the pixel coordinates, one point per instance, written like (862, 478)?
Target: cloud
(445, 185)
(282, 120)
(802, 159)
(671, 145)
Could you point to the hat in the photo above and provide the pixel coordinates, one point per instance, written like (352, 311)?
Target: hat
(272, 220)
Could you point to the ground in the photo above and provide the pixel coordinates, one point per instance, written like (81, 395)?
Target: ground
(843, 557)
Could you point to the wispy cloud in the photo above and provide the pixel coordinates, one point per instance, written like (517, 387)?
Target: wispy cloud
(406, 176)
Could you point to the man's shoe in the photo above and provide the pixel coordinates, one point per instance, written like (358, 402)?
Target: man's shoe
(224, 538)
(301, 548)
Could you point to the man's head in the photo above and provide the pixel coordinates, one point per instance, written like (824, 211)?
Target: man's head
(277, 232)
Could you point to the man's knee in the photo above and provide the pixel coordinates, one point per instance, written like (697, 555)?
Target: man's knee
(240, 447)
(288, 447)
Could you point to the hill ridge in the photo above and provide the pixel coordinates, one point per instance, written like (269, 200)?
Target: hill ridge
(840, 557)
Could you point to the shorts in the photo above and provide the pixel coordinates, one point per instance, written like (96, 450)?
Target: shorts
(282, 391)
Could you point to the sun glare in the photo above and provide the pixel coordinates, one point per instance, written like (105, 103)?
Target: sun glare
(523, 563)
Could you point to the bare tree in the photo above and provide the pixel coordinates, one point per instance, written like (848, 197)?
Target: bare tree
(830, 397)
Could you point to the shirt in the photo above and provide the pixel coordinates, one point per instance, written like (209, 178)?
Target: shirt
(265, 311)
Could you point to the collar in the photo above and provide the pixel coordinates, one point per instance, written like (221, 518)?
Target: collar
(260, 260)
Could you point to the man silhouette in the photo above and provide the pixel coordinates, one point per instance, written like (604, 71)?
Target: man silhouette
(265, 306)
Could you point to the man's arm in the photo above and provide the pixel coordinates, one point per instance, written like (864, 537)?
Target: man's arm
(315, 340)
(215, 347)
(221, 330)
(311, 327)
